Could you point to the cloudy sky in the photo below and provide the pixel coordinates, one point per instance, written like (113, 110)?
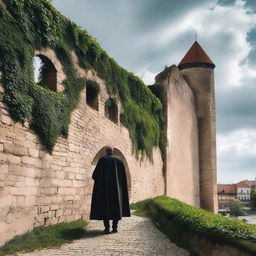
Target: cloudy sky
(146, 35)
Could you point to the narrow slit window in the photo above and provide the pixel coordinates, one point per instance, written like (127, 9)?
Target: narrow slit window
(92, 92)
(111, 110)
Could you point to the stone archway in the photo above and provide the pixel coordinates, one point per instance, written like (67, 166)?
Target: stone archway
(118, 153)
(90, 182)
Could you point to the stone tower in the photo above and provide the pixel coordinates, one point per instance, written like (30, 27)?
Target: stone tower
(198, 70)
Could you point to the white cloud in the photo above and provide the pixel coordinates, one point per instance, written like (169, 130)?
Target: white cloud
(222, 31)
(147, 76)
(236, 154)
(242, 143)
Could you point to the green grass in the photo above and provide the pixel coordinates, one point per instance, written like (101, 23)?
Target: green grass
(45, 237)
(186, 218)
(141, 208)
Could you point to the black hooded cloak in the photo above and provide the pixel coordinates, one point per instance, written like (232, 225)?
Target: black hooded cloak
(110, 193)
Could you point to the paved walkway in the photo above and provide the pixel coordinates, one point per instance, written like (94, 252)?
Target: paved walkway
(251, 219)
(136, 236)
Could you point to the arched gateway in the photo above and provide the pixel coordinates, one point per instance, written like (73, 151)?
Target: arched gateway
(118, 153)
(90, 181)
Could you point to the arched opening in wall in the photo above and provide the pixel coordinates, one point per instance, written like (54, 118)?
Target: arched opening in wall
(45, 73)
(92, 92)
(111, 110)
(118, 153)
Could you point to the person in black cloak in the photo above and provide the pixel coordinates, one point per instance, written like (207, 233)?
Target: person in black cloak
(110, 193)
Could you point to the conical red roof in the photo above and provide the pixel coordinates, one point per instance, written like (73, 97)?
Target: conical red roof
(195, 55)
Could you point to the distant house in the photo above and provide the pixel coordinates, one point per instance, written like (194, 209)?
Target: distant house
(226, 195)
(241, 191)
(244, 191)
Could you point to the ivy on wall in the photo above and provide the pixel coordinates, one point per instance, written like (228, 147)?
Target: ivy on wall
(28, 25)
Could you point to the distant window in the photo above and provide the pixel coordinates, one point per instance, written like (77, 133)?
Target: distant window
(111, 110)
(92, 91)
(45, 73)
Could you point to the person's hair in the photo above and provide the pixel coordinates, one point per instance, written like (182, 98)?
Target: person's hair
(109, 150)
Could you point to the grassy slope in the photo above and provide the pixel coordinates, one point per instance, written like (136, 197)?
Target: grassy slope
(45, 237)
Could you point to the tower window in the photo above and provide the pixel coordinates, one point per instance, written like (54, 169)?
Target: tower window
(111, 110)
(45, 73)
(92, 91)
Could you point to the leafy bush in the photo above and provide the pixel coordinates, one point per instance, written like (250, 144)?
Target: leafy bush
(203, 222)
(141, 205)
(236, 209)
(196, 221)
(253, 198)
(34, 24)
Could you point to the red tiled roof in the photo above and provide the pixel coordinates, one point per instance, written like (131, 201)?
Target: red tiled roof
(231, 188)
(246, 183)
(196, 54)
(227, 188)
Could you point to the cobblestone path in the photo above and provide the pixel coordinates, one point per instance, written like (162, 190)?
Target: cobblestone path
(136, 236)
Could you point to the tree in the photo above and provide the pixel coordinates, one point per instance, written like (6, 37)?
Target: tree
(236, 209)
(253, 198)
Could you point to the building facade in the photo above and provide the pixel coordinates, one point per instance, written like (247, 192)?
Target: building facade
(227, 193)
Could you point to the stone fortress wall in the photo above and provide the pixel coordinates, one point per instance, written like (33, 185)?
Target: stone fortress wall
(37, 188)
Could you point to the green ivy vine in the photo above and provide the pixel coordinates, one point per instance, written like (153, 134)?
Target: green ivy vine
(28, 25)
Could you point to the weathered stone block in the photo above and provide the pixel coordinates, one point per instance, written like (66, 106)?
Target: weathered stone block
(13, 159)
(30, 201)
(32, 161)
(2, 177)
(17, 191)
(2, 137)
(60, 174)
(34, 152)
(67, 212)
(54, 207)
(6, 120)
(50, 191)
(15, 149)
(44, 209)
(43, 200)
(24, 171)
(4, 168)
(56, 167)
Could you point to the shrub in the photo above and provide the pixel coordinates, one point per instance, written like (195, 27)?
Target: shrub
(198, 222)
(203, 222)
(253, 198)
(236, 209)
